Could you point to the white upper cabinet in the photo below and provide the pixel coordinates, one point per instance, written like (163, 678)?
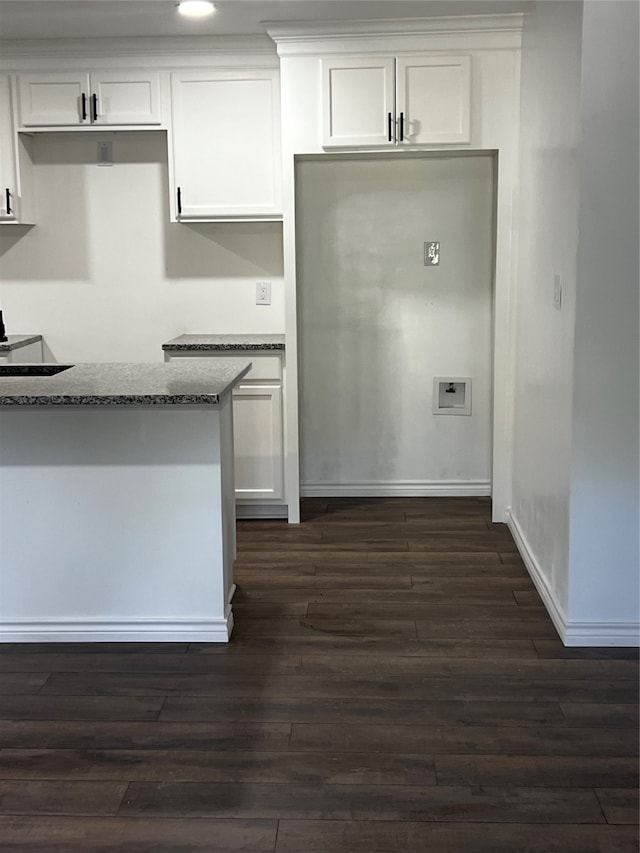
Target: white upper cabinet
(396, 101)
(225, 141)
(358, 100)
(125, 98)
(8, 170)
(16, 191)
(433, 99)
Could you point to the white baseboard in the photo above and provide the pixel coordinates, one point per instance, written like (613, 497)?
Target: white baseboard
(571, 633)
(554, 608)
(118, 630)
(398, 489)
(261, 511)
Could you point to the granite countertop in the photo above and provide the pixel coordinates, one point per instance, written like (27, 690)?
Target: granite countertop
(14, 342)
(225, 342)
(177, 383)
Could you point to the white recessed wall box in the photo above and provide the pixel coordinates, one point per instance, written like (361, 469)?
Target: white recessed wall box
(452, 395)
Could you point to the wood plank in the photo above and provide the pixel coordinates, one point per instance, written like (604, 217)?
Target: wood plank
(142, 835)
(60, 797)
(257, 583)
(43, 707)
(400, 603)
(574, 771)
(425, 740)
(342, 557)
(432, 606)
(376, 529)
(362, 802)
(619, 805)
(22, 682)
(245, 642)
(391, 628)
(539, 628)
(211, 735)
(274, 532)
(528, 597)
(609, 713)
(462, 542)
(257, 609)
(555, 649)
(211, 766)
(326, 836)
(469, 585)
(360, 711)
(511, 557)
(360, 521)
(317, 547)
(261, 570)
(419, 569)
(132, 663)
(411, 667)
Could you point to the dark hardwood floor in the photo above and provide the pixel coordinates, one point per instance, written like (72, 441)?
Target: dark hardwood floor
(393, 685)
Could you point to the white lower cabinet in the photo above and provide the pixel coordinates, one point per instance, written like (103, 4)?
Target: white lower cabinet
(258, 431)
(257, 439)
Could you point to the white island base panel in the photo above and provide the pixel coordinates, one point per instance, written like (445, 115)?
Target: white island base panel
(117, 523)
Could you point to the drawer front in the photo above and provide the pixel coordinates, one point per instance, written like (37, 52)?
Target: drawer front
(263, 366)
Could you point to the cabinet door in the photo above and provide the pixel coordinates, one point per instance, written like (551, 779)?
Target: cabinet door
(53, 99)
(8, 171)
(125, 97)
(434, 99)
(225, 144)
(257, 437)
(16, 165)
(358, 101)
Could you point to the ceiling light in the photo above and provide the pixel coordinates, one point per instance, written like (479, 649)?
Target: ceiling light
(196, 8)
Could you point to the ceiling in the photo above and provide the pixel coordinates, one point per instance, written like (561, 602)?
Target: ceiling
(37, 19)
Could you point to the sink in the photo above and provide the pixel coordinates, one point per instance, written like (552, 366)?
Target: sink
(32, 369)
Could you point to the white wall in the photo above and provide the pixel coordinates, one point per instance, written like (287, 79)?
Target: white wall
(104, 276)
(547, 245)
(375, 325)
(604, 562)
(575, 466)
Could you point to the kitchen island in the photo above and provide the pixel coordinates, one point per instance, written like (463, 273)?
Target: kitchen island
(117, 518)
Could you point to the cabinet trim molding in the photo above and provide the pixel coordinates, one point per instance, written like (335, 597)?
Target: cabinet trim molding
(167, 53)
(473, 32)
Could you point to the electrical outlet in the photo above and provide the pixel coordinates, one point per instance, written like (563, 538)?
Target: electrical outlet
(105, 153)
(263, 293)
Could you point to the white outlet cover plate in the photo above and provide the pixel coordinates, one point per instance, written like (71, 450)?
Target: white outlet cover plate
(263, 293)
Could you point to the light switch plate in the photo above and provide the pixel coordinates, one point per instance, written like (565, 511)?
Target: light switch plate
(432, 254)
(557, 292)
